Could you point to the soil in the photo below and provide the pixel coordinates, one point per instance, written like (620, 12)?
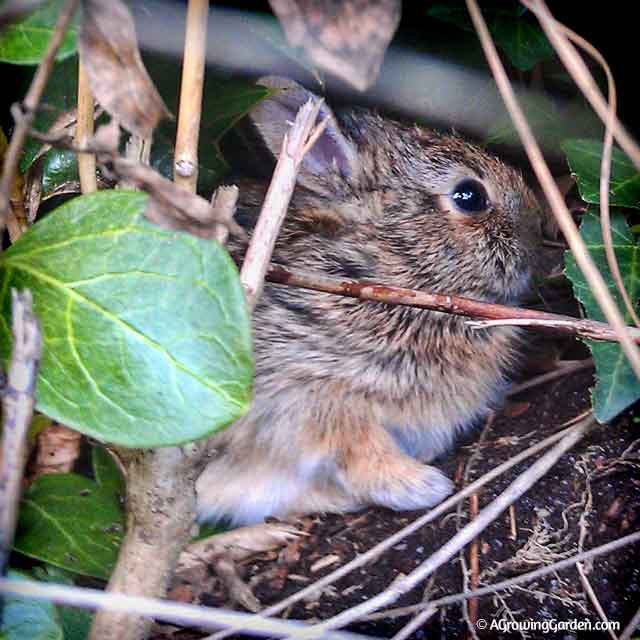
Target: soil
(544, 526)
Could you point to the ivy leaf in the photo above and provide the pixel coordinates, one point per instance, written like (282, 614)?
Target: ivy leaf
(106, 472)
(617, 386)
(147, 338)
(60, 97)
(523, 42)
(71, 522)
(26, 41)
(75, 622)
(28, 618)
(584, 157)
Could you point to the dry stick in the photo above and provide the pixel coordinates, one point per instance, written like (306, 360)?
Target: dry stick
(634, 624)
(297, 141)
(581, 76)
(591, 594)
(605, 165)
(552, 193)
(491, 589)
(518, 487)
(415, 624)
(185, 165)
(30, 104)
(388, 543)
(188, 615)
(84, 132)
(18, 401)
(496, 313)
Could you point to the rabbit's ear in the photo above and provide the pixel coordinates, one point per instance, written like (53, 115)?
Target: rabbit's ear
(332, 152)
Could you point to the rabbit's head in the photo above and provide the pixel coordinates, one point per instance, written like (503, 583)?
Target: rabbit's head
(442, 213)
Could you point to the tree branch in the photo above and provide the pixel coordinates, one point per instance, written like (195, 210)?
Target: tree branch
(18, 402)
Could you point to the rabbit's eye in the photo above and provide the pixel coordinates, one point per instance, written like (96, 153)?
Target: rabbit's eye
(470, 196)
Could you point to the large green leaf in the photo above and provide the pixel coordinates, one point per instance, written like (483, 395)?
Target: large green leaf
(617, 386)
(25, 42)
(24, 618)
(584, 158)
(147, 337)
(71, 522)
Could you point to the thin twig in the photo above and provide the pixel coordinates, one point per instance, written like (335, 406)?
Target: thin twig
(561, 371)
(18, 402)
(370, 555)
(497, 314)
(185, 165)
(296, 143)
(563, 216)
(187, 615)
(588, 87)
(516, 489)
(634, 624)
(415, 624)
(591, 594)
(30, 104)
(84, 132)
(223, 203)
(523, 578)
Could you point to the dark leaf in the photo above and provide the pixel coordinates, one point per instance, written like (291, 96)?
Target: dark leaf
(71, 522)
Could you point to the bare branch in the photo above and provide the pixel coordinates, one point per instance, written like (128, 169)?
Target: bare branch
(185, 165)
(188, 615)
(17, 407)
(274, 208)
(489, 313)
(84, 132)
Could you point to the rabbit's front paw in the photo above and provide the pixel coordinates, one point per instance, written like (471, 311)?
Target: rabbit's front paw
(423, 487)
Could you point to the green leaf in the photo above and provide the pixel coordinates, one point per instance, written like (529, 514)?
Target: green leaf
(71, 522)
(617, 386)
(523, 41)
(147, 338)
(60, 97)
(584, 158)
(24, 618)
(75, 622)
(59, 167)
(26, 41)
(107, 472)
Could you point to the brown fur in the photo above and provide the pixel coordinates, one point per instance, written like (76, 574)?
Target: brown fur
(352, 397)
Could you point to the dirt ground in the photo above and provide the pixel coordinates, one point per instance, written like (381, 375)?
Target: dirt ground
(543, 527)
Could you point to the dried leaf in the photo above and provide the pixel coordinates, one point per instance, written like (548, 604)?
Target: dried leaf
(348, 38)
(118, 77)
(58, 450)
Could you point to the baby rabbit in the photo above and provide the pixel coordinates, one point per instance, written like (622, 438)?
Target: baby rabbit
(350, 397)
